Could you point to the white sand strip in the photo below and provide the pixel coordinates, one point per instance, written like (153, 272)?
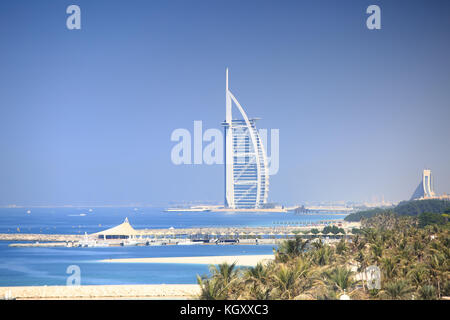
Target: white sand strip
(245, 260)
(153, 291)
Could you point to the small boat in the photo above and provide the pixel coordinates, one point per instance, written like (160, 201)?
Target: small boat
(86, 242)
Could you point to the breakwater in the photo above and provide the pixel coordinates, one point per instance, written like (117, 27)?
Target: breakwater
(172, 236)
(39, 237)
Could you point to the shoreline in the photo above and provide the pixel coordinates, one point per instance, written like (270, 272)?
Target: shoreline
(133, 291)
(92, 292)
(241, 260)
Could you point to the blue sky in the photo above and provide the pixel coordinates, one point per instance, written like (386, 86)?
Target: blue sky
(86, 115)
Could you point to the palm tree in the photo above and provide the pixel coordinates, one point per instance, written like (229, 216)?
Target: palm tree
(396, 290)
(285, 280)
(377, 251)
(413, 260)
(211, 289)
(225, 272)
(323, 256)
(259, 292)
(257, 274)
(370, 234)
(358, 243)
(341, 247)
(389, 267)
(438, 266)
(318, 244)
(418, 247)
(218, 286)
(419, 274)
(427, 292)
(291, 248)
(340, 279)
(363, 263)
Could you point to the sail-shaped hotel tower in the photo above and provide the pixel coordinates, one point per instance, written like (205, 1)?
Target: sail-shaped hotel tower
(246, 165)
(425, 188)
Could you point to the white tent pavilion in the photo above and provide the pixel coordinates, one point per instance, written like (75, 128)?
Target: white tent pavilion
(122, 231)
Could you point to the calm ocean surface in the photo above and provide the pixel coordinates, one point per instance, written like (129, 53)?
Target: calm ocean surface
(47, 266)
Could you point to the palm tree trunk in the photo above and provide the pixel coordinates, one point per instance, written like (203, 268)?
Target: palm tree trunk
(439, 289)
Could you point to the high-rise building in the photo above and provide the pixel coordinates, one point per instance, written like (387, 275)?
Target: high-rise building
(425, 188)
(246, 165)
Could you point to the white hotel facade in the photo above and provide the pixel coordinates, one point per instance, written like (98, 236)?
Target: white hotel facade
(246, 165)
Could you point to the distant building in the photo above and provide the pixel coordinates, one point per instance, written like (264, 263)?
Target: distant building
(425, 187)
(246, 171)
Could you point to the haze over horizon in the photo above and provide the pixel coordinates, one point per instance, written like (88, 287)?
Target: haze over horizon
(86, 115)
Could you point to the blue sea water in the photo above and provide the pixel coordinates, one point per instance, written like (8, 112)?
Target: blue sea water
(48, 266)
(80, 220)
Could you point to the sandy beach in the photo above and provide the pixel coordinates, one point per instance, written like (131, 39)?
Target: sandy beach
(245, 260)
(152, 291)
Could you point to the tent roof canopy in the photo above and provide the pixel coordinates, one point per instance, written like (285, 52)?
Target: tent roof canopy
(123, 229)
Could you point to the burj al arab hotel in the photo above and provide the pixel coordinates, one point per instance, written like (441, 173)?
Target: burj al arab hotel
(246, 165)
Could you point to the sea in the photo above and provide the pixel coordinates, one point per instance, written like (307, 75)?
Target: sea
(32, 266)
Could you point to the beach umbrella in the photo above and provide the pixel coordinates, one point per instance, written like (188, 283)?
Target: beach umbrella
(290, 234)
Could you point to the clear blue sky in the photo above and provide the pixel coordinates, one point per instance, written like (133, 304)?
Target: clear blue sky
(86, 115)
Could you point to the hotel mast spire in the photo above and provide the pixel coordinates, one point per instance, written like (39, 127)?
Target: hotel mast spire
(228, 115)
